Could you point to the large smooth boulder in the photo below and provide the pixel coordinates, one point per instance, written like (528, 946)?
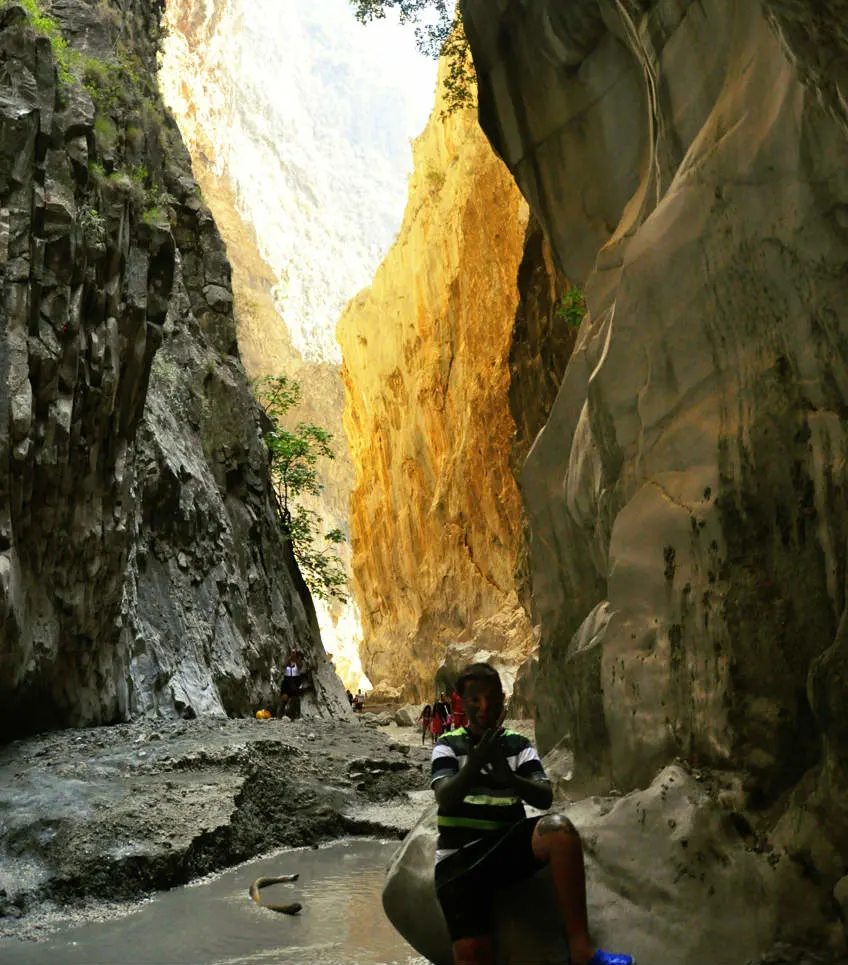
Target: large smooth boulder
(673, 879)
(528, 928)
(407, 715)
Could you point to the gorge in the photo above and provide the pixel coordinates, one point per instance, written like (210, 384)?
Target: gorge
(640, 519)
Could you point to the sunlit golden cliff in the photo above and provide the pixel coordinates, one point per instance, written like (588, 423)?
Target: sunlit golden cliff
(435, 512)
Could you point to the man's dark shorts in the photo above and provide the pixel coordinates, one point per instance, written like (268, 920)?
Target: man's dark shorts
(467, 880)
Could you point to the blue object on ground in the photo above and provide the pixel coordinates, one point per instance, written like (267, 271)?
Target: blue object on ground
(609, 958)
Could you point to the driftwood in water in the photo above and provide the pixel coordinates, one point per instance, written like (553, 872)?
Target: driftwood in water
(291, 909)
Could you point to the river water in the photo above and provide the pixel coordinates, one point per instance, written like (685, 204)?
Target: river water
(214, 922)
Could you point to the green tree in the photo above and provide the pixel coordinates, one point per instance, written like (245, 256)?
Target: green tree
(294, 455)
(438, 33)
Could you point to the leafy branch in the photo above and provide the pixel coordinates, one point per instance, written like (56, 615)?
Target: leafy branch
(294, 455)
(438, 33)
(572, 308)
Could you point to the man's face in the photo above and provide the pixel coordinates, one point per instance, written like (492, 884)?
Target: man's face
(482, 701)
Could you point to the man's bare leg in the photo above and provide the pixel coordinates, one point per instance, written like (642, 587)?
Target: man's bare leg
(557, 843)
(474, 951)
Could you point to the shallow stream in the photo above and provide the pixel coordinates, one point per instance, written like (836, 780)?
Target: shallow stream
(214, 922)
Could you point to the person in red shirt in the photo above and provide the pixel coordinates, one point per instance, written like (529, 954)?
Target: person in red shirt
(437, 722)
(425, 719)
(457, 713)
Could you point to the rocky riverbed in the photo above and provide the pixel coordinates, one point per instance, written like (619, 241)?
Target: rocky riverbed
(91, 819)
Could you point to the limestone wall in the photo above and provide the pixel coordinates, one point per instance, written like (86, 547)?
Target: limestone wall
(435, 512)
(686, 495)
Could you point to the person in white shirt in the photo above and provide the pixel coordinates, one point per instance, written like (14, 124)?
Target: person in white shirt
(290, 695)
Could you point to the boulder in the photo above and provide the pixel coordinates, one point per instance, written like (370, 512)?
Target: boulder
(528, 929)
(407, 715)
(670, 880)
(385, 692)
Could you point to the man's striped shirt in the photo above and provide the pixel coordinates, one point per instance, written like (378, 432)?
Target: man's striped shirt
(486, 809)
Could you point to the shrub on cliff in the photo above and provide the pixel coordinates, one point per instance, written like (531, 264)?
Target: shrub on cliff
(572, 308)
(294, 455)
(48, 27)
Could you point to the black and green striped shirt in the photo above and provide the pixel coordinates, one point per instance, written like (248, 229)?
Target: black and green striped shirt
(485, 809)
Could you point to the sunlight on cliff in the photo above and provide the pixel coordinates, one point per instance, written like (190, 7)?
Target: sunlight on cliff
(341, 632)
(426, 349)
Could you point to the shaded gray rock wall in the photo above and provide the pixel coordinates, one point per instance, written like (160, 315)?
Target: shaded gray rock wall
(140, 566)
(686, 494)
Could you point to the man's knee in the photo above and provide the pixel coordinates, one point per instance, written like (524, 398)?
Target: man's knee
(473, 951)
(553, 830)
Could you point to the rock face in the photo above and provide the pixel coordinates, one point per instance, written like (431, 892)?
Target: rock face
(141, 566)
(281, 98)
(435, 511)
(686, 162)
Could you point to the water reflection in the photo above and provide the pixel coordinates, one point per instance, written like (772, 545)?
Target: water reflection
(214, 922)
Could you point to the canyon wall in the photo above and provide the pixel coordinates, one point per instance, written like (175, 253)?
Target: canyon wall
(687, 493)
(435, 513)
(142, 566)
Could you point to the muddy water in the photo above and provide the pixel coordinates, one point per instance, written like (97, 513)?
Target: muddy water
(214, 922)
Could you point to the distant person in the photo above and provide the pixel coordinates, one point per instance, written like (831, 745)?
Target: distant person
(359, 701)
(442, 710)
(290, 696)
(425, 719)
(457, 713)
(482, 776)
(349, 697)
(437, 726)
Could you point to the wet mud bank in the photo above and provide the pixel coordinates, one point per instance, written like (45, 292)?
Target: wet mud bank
(115, 813)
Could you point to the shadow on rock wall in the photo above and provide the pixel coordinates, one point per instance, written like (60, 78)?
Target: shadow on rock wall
(686, 495)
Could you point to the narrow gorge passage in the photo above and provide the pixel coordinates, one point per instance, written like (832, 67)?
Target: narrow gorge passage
(581, 346)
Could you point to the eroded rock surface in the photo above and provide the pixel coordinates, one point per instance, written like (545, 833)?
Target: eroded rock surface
(688, 528)
(141, 565)
(113, 813)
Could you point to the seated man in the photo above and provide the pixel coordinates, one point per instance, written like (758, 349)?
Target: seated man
(481, 774)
